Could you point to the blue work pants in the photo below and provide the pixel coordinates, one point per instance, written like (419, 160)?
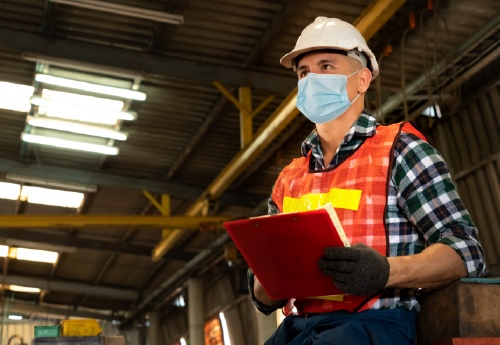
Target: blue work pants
(369, 327)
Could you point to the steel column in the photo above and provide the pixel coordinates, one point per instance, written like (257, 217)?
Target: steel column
(196, 312)
(154, 335)
(266, 325)
(245, 96)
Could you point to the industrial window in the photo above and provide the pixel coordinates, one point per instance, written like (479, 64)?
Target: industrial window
(213, 332)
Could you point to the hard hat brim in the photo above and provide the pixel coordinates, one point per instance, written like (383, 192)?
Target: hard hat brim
(287, 59)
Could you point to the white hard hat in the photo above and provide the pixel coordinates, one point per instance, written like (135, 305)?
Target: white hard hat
(332, 33)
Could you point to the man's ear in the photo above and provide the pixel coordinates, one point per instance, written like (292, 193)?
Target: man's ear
(365, 77)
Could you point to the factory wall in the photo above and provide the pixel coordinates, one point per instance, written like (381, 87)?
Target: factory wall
(469, 140)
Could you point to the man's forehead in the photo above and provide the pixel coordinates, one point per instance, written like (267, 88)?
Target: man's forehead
(317, 57)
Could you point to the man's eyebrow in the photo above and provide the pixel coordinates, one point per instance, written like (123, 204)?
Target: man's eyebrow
(320, 62)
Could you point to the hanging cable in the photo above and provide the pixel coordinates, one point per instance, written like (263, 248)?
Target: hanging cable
(403, 82)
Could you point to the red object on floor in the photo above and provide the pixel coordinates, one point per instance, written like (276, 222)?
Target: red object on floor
(283, 252)
(468, 341)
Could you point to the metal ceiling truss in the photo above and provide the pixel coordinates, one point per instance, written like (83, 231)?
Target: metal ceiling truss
(102, 55)
(84, 177)
(71, 287)
(18, 306)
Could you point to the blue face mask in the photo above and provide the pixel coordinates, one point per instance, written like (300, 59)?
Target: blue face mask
(323, 97)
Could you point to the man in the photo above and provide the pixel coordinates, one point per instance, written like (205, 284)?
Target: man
(409, 228)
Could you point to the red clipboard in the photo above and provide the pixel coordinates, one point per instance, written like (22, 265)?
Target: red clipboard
(283, 252)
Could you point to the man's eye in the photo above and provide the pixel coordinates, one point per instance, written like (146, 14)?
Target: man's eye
(303, 74)
(327, 66)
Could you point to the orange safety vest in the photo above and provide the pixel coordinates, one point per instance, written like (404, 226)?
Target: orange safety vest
(358, 190)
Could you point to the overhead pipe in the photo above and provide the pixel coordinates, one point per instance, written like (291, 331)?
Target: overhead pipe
(476, 38)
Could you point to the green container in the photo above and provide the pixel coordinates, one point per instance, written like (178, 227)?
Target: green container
(47, 331)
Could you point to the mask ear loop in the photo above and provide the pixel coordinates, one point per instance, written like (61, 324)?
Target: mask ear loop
(359, 94)
(354, 72)
(354, 100)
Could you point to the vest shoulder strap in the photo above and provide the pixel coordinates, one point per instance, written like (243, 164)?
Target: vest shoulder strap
(409, 127)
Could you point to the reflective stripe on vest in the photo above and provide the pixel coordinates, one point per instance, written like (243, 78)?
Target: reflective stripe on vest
(357, 188)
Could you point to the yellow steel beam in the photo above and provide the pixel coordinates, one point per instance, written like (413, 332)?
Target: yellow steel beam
(160, 208)
(165, 203)
(263, 105)
(278, 120)
(91, 221)
(230, 97)
(245, 95)
(368, 23)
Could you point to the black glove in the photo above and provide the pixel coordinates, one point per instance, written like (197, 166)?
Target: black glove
(358, 270)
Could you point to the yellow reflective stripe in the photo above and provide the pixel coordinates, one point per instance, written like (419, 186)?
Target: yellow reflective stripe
(340, 198)
(338, 298)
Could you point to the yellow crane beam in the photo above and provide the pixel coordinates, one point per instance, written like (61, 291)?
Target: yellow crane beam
(371, 20)
(91, 221)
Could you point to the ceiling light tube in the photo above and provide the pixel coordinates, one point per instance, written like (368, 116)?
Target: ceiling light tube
(69, 144)
(77, 112)
(15, 317)
(9, 191)
(4, 251)
(35, 255)
(50, 183)
(51, 197)
(73, 127)
(83, 100)
(129, 11)
(81, 85)
(24, 289)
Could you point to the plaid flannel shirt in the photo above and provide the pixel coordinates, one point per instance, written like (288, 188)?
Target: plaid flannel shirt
(423, 206)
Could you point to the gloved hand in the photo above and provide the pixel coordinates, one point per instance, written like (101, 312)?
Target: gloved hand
(358, 270)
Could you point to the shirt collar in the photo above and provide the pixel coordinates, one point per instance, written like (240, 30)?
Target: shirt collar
(365, 126)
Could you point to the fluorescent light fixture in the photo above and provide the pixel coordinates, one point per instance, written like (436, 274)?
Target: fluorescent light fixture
(432, 111)
(179, 301)
(69, 144)
(81, 85)
(183, 341)
(79, 128)
(9, 191)
(15, 96)
(4, 251)
(37, 245)
(24, 289)
(225, 331)
(33, 255)
(87, 101)
(87, 113)
(15, 317)
(51, 197)
(124, 10)
(83, 66)
(52, 183)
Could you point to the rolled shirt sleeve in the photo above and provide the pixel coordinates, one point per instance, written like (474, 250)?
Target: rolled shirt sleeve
(263, 308)
(429, 199)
